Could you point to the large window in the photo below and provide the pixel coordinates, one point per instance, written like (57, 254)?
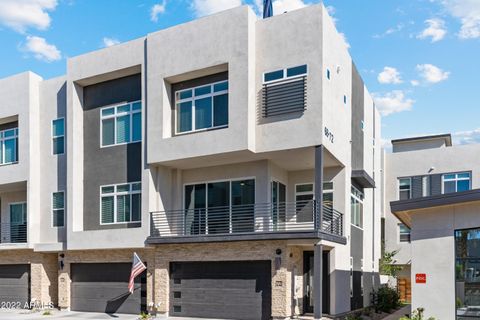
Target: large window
(58, 136)
(121, 203)
(456, 182)
(285, 73)
(405, 188)
(220, 207)
(9, 146)
(304, 196)
(467, 270)
(202, 108)
(404, 232)
(58, 206)
(356, 201)
(121, 124)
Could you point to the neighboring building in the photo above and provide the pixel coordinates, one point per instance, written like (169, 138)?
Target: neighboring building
(244, 176)
(432, 189)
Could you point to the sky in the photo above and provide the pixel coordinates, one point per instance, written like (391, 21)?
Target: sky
(420, 59)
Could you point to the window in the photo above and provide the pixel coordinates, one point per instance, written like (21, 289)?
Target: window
(121, 203)
(362, 125)
(202, 108)
(285, 73)
(405, 188)
(304, 196)
(328, 74)
(425, 186)
(404, 233)
(58, 207)
(356, 201)
(456, 182)
(58, 136)
(121, 124)
(345, 99)
(9, 146)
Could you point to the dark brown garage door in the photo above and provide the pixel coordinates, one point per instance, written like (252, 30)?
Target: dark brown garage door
(103, 287)
(221, 290)
(15, 284)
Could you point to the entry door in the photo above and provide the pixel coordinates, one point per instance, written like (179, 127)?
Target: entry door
(308, 268)
(18, 222)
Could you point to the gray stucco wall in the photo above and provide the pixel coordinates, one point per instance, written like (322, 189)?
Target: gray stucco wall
(356, 247)
(358, 115)
(109, 165)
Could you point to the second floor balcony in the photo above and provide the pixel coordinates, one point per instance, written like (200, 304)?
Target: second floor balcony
(15, 232)
(265, 221)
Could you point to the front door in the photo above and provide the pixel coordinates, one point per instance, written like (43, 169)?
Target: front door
(308, 272)
(18, 222)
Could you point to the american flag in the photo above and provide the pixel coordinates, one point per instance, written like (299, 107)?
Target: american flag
(137, 268)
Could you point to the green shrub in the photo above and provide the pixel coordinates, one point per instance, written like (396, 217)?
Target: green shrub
(353, 316)
(387, 299)
(47, 313)
(144, 316)
(417, 315)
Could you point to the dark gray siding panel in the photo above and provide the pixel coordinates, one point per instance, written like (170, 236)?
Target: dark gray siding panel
(358, 115)
(225, 290)
(15, 284)
(9, 125)
(103, 287)
(356, 245)
(435, 184)
(110, 165)
(417, 187)
(113, 91)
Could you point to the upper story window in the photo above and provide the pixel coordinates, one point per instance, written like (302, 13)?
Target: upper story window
(58, 207)
(456, 182)
(404, 232)
(356, 201)
(120, 203)
(405, 188)
(9, 146)
(285, 73)
(58, 136)
(121, 124)
(201, 108)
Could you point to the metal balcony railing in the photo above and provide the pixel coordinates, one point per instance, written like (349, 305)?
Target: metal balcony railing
(13, 232)
(244, 219)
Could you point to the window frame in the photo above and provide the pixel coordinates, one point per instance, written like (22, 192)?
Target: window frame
(193, 98)
(57, 209)
(409, 188)
(285, 74)
(400, 233)
(456, 180)
(116, 115)
(360, 200)
(54, 137)
(2, 145)
(114, 195)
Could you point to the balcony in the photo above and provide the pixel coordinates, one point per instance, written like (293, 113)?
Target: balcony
(13, 233)
(297, 220)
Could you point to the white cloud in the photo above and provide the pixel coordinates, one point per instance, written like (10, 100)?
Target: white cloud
(389, 75)
(22, 14)
(435, 30)
(399, 27)
(431, 73)
(206, 7)
(157, 10)
(41, 49)
(467, 137)
(415, 83)
(392, 102)
(344, 38)
(468, 12)
(108, 42)
(331, 10)
(281, 6)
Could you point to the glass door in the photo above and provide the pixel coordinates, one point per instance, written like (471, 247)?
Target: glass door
(195, 209)
(243, 202)
(218, 210)
(279, 196)
(18, 222)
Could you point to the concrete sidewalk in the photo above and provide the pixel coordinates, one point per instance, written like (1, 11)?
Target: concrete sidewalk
(399, 313)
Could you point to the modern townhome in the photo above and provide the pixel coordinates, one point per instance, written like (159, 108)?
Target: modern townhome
(432, 218)
(247, 178)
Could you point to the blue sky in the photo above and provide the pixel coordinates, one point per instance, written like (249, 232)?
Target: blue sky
(419, 58)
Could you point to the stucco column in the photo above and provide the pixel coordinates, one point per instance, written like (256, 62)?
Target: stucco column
(317, 282)
(64, 281)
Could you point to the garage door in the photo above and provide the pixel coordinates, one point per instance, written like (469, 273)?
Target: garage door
(225, 290)
(15, 283)
(103, 287)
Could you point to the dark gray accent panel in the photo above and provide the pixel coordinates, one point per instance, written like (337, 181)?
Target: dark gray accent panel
(103, 287)
(113, 91)
(284, 97)
(109, 165)
(15, 284)
(356, 249)
(362, 178)
(358, 115)
(226, 290)
(9, 125)
(417, 187)
(198, 82)
(435, 184)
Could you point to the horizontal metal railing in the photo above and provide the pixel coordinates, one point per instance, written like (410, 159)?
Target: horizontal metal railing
(13, 232)
(247, 218)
